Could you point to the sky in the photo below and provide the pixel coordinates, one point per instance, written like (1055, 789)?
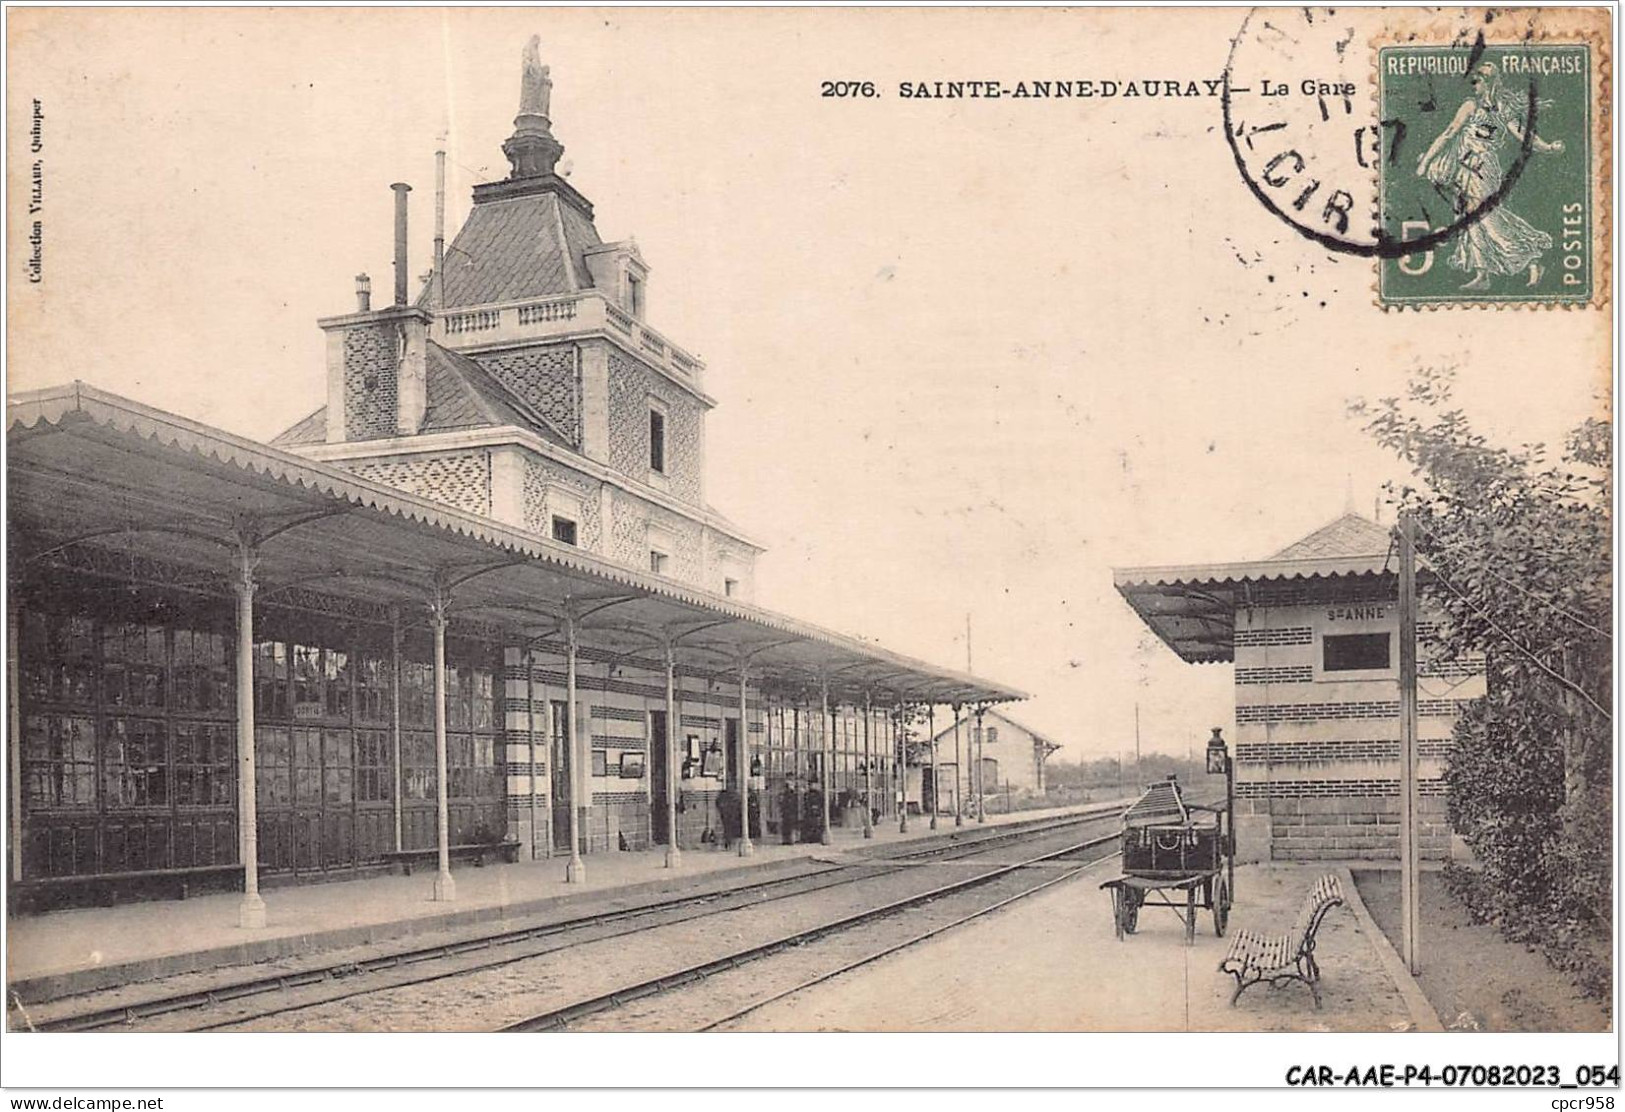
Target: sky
(970, 355)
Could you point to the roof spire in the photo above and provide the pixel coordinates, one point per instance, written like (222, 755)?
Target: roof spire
(531, 149)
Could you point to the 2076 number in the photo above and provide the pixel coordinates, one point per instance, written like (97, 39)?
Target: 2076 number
(848, 89)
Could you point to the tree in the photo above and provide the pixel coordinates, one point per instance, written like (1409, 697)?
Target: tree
(1516, 555)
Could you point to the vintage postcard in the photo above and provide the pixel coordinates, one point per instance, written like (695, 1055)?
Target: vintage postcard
(628, 520)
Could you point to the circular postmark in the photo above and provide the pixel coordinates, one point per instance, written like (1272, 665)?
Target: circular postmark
(1313, 144)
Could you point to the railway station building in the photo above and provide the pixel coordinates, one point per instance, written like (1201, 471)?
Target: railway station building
(1312, 633)
(475, 601)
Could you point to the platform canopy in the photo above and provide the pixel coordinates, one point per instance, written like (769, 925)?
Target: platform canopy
(1192, 607)
(93, 472)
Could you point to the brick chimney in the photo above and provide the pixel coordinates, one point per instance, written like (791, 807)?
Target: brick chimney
(377, 358)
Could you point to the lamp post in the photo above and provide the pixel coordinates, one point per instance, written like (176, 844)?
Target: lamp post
(1220, 763)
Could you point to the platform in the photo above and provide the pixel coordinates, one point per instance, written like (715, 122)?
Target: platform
(60, 953)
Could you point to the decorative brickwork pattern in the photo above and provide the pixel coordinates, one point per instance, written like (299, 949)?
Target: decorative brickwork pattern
(631, 385)
(549, 378)
(1330, 789)
(539, 474)
(633, 516)
(1297, 635)
(1277, 752)
(371, 355)
(1290, 673)
(1321, 712)
(462, 480)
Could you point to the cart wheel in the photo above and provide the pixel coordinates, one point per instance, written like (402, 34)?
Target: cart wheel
(1132, 898)
(1221, 905)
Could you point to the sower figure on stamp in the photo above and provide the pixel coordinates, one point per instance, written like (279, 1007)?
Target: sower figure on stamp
(1464, 165)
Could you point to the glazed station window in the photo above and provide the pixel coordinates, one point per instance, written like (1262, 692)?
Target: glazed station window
(564, 530)
(375, 780)
(135, 761)
(205, 764)
(134, 663)
(202, 668)
(372, 701)
(271, 679)
(59, 760)
(1355, 652)
(273, 760)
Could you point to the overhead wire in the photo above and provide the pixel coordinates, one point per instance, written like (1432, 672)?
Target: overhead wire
(1569, 614)
(1515, 643)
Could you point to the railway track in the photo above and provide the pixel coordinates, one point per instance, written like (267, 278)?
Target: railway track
(266, 994)
(562, 1017)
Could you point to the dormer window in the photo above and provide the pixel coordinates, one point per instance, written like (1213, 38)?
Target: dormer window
(634, 295)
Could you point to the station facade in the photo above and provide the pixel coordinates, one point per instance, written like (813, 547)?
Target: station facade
(1313, 635)
(478, 598)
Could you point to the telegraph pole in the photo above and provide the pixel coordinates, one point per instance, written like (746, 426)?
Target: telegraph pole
(1409, 818)
(1139, 778)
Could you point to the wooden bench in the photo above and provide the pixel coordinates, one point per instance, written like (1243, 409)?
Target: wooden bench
(106, 889)
(477, 852)
(1278, 958)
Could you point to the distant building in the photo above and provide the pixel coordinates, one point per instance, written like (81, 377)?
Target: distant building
(1012, 757)
(1313, 632)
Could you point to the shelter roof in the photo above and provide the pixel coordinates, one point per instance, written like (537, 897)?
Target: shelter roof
(1192, 607)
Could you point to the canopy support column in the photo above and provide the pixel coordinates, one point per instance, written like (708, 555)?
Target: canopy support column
(445, 889)
(868, 769)
(826, 754)
(395, 719)
(959, 804)
(251, 911)
(746, 847)
(982, 769)
(931, 732)
(674, 855)
(899, 722)
(576, 871)
(530, 737)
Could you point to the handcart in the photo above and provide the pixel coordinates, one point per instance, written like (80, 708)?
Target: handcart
(1178, 855)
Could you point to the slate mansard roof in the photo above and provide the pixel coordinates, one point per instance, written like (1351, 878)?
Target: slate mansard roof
(518, 248)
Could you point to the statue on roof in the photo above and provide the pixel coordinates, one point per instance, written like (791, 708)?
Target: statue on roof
(535, 86)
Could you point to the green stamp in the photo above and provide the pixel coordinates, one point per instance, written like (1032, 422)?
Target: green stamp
(1490, 172)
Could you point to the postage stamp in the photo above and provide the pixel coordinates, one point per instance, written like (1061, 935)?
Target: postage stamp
(1464, 151)
(1494, 143)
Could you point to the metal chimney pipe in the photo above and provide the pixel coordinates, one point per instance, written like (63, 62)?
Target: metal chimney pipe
(401, 190)
(363, 293)
(437, 297)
